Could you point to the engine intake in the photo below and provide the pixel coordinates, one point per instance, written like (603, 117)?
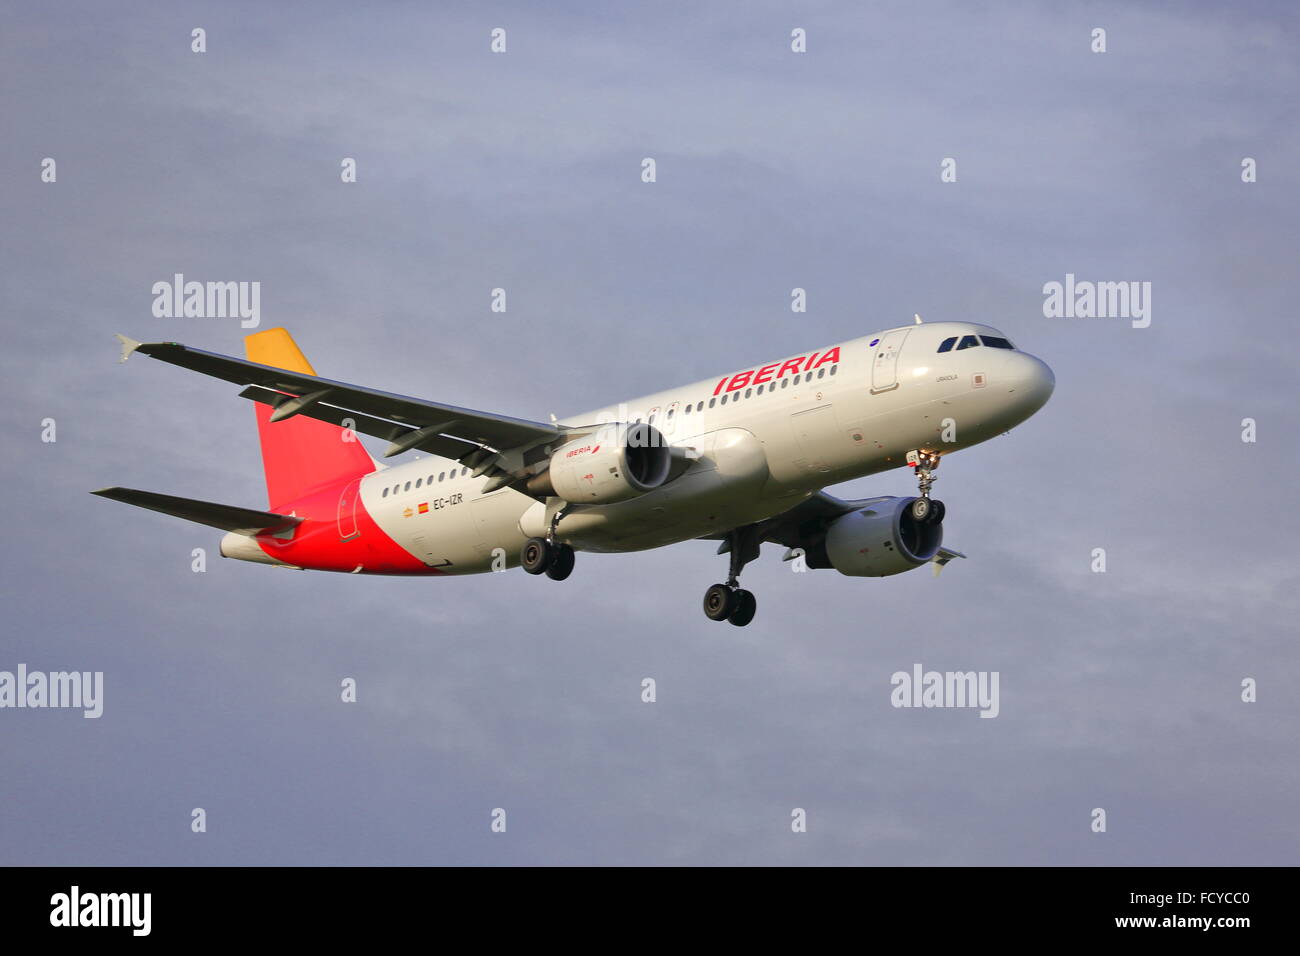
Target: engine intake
(618, 462)
(880, 540)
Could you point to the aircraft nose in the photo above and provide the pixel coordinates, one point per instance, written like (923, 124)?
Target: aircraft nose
(1031, 381)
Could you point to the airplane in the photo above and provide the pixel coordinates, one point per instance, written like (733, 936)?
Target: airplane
(741, 458)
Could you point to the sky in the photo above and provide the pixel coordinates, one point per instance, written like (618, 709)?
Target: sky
(1120, 691)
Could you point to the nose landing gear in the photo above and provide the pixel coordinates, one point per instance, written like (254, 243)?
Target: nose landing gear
(926, 509)
(731, 602)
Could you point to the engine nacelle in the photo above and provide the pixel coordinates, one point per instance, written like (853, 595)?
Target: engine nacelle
(880, 540)
(616, 463)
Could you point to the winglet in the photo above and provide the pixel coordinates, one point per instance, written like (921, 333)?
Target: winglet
(943, 557)
(129, 345)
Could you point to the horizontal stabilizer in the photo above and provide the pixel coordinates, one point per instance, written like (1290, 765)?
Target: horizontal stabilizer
(225, 517)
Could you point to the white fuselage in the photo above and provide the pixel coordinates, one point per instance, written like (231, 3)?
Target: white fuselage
(761, 440)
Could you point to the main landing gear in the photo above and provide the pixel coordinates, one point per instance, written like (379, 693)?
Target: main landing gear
(925, 509)
(540, 556)
(731, 602)
(546, 556)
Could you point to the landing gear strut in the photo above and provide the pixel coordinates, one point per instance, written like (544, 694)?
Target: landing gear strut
(546, 555)
(731, 602)
(926, 509)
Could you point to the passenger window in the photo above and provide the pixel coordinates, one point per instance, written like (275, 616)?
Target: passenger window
(760, 389)
(408, 486)
(442, 475)
(699, 407)
(724, 399)
(994, 342)
(419, 482)
(385, 494)
(712, 401)
(947, 344)
(785, 383)
(967, 342)
(833, 368)
(688, 409)
(749, 392)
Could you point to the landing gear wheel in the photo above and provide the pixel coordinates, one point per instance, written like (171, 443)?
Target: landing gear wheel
(921, 510)
(746, 605)
(537, 555)
(719, 602)
(561, 565)
(936, 511)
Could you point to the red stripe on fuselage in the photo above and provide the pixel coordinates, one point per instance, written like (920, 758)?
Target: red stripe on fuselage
(318, 543)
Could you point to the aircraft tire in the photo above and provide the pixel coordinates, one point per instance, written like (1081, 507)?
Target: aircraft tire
(561, 565)
(536, 555)
(719, 602)
(746, 606)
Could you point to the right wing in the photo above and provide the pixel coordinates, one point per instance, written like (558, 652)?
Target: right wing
(808, 520)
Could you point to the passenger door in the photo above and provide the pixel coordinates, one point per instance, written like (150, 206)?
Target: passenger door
(884, 366)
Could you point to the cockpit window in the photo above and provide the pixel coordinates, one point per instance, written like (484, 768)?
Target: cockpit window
(968, 342)
(993, 342)
(947, 344)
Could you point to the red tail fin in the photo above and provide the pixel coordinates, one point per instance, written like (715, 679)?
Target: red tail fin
(300, 453)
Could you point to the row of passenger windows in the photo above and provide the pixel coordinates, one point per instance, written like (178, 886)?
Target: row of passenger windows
(420, 482)
(758, 390)
(972, 341)
(698, 407)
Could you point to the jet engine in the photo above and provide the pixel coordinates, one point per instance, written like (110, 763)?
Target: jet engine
(877, 541)
(616, 463)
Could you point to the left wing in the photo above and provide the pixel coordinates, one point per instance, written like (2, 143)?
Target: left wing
(497, 445)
